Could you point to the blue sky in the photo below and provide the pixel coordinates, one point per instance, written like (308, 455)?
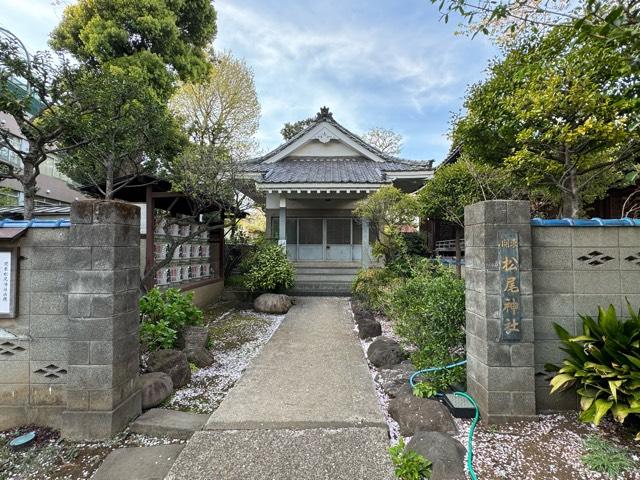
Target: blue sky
(387, 63)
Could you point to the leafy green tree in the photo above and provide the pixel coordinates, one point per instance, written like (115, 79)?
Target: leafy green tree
(290, 130)
(463, 183)
(387, 210)
(129, 129)
(558, 113)
(32, 91)
(165, 39)
(460, 184)
(222, 110)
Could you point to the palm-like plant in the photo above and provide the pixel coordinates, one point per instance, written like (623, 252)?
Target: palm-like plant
(604, 363)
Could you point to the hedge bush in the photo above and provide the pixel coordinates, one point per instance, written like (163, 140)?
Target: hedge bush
(373, 288)
(267, 269)
(428, 312)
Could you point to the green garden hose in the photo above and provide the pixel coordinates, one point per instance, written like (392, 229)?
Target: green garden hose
(472, 473)
(412, 378)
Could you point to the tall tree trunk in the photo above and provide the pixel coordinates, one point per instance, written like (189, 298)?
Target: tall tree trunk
(108, 187)
(571, 204)
(30, 188)
(458, 253)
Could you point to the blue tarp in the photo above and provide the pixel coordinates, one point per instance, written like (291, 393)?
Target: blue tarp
(591, 222)
(7, 223)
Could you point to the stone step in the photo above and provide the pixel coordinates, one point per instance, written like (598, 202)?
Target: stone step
(325, 270)
(139, 463)
(161, 422)
(318, 288)
(324, 278)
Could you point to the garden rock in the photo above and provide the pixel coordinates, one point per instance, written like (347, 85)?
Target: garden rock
(360, 313)
(172, 362)
(155, 387)
(200, 357)
(415, 414)
(272, 303)
(368, 328)
(393, 380)
(193, 338)
(385, 353)
(446, 454)
(193, 341)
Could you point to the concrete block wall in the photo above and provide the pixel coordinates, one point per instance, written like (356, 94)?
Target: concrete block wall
(575, 270)
(33, 352)
(72, 359)
(565, 271)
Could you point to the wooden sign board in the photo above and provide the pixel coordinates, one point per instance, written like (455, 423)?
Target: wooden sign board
(8, 284)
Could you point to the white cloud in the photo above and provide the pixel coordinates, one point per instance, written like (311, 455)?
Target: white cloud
(353, 65)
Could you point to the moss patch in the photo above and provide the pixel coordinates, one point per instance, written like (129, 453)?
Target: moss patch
(234, 330)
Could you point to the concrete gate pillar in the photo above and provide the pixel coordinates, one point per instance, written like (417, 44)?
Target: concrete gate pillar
(499, 309)
(104, 277)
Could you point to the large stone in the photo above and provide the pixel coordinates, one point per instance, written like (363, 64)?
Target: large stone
(361, 313)
(193, 338)
(172, 362)
(385, 353)
(446, 454)
(394, 379)
(155, 387)
(368, 328)
(272, 303)
(415, 414)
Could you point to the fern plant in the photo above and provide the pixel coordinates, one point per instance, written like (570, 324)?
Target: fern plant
(604, 365)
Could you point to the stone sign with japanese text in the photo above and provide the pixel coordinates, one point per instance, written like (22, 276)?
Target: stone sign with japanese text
(510, 301)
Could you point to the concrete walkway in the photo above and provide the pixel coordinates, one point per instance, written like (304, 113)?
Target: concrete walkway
(305, 409)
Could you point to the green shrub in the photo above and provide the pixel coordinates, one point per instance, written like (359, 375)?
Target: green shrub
(164, 313)
(428, 312)
(267, 269)
(408, 464)
(604, 363)
(373, 287)
(156, 336)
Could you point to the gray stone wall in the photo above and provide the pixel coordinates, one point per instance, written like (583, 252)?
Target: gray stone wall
(72, 361)
(575, 270)
(565, 271)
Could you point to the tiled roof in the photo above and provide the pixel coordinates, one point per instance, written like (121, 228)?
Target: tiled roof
(332, 170)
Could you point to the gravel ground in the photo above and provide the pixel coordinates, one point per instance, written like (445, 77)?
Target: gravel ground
(237, 336)
(549, 448)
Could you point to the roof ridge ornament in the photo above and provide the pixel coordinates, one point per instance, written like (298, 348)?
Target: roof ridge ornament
(324, 114)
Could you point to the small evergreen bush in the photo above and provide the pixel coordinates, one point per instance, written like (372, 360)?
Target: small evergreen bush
(267, 269)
